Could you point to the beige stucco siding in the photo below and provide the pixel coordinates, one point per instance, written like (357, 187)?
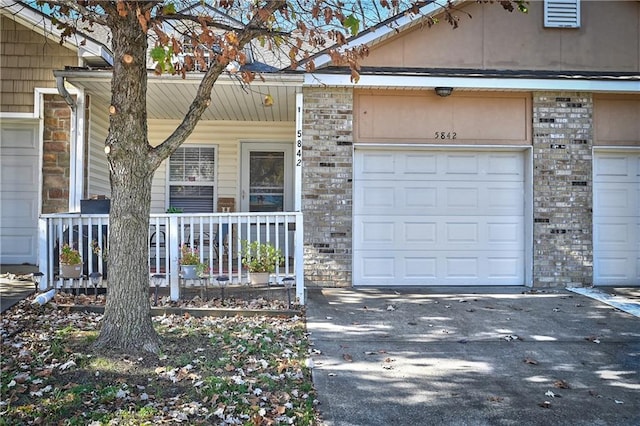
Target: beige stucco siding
(617, 120)
(423, 117)
(27, 61)
(607, 40)
(226, 136)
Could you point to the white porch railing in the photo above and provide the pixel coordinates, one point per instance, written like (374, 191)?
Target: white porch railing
(218, 238)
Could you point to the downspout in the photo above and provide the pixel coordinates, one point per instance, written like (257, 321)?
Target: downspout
(76, 151)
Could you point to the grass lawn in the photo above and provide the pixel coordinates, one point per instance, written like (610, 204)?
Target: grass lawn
(211, 371)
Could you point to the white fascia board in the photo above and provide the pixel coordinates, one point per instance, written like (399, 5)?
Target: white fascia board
(477, 83)
(270, 80)
(369, 37)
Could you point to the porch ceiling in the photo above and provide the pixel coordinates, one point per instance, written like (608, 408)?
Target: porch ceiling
(169, 97)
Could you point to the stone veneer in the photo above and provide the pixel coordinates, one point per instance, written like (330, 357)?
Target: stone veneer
(327, 186)
(562, 189)
(55, 157)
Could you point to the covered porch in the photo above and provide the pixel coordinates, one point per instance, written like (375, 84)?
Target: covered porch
(237, 179)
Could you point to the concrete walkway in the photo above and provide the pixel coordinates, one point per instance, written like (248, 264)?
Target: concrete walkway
(473, 356)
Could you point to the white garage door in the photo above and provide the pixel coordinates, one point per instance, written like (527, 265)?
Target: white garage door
(616, 218)
(427, 217)
(19, 185)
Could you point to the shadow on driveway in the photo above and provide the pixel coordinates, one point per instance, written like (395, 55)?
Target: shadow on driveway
(498, 356)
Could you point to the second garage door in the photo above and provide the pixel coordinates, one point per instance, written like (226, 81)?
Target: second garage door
(429, 217)
(19, 176)
(616, 218)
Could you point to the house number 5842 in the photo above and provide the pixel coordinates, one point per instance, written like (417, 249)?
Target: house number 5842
(445, 135)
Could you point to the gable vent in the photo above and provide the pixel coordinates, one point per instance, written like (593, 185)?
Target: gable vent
(562, 13)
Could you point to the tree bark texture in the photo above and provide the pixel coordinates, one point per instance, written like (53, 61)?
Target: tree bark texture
(127, 321)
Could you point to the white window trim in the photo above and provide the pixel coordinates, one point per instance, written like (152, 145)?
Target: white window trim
(216, 181)
(562, 13)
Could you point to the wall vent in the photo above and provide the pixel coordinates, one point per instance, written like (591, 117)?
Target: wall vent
(562, 13)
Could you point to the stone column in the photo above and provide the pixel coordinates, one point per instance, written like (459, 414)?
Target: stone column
(55, 161)
(327, 189)
(562, 189)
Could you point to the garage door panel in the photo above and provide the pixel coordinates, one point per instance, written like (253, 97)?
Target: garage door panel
(409, 267)
(19, 209)
(379, 232)
(442, 232)
(436, 197)
(505, 164)
(17, 245)
(440, 166)
(616, 199)
(617, 167)
(378, 197)
(19, 173)
(616, 235)
(615, 270)
(375, 165)
(419, 164)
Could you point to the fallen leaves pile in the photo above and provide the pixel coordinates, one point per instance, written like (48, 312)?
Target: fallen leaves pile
(211, 370)
(258, 303)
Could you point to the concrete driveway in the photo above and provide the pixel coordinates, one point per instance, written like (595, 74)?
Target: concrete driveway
(15, 284)
(479, 356)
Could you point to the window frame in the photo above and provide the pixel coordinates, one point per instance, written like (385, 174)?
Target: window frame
(169, 182)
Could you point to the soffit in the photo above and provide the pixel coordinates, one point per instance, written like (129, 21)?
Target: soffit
(169, 97)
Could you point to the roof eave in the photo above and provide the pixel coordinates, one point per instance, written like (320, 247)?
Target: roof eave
(87, 47)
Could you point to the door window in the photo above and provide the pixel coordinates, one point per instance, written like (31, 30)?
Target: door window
(267, 184)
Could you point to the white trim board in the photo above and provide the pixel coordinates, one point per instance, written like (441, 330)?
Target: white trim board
(472, 83)
(618, 302)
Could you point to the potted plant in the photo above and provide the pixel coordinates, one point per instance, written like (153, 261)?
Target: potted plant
(190, 265)
(70, 262)
(261, 260)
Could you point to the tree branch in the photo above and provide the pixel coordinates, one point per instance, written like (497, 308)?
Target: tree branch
(203, 96)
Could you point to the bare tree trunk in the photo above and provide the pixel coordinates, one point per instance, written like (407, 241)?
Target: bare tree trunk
(127, 322)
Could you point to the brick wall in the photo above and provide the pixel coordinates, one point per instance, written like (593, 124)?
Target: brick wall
(55, 161)
(562, 189)
(327, 186)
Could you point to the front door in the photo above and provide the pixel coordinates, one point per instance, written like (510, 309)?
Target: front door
(267, 177)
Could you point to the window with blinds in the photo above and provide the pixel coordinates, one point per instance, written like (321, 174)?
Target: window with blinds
(192, 179)
(562, 13)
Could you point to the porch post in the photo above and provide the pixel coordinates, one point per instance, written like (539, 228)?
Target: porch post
(297, 196)
(299, 256)
(172, 263)
(43, 253)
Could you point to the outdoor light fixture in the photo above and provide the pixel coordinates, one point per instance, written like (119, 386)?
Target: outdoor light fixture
(443, 91)
(222, 280)
(95, 278)
(36, 277)
(288, 283)
(157, 280)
